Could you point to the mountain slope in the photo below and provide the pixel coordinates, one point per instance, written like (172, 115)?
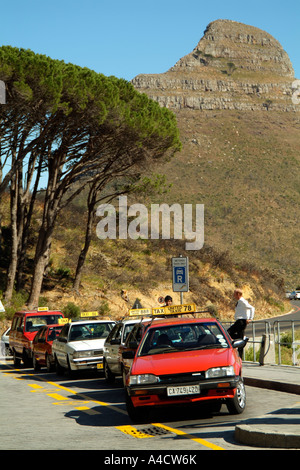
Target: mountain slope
(232, 96)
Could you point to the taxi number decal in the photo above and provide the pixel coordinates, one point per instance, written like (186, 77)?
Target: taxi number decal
(100, 366)
(183, 390)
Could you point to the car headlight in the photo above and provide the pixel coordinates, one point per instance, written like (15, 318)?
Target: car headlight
(143, 379)
(79, 354)
(219, 372)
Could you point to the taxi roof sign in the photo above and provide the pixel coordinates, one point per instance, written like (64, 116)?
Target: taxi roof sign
(175, 309)
(89, 314)
(140, 312)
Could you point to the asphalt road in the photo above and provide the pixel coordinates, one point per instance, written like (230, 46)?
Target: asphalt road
(40, 411)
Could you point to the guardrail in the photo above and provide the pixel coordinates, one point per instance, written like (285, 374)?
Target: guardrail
(267, 339)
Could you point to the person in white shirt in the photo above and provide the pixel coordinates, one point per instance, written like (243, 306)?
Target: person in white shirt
(244, 313)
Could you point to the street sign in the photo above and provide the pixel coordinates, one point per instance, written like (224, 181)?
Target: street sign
(180, 271)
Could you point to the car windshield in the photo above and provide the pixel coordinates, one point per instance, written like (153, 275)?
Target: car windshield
(90, 331)
(183, 337)
(34, 323)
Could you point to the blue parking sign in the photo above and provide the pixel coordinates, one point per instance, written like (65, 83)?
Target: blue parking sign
(179, 273)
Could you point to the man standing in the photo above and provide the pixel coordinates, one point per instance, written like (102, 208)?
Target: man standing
(244, 313)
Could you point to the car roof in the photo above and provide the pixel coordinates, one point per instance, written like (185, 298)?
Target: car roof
(38, 313)
(83, 322)
(181, 320)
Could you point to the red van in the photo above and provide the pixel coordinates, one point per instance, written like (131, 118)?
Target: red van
(24, 327)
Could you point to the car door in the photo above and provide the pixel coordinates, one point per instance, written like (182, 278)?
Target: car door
(113, 345)
(38, 343)
(60, 345)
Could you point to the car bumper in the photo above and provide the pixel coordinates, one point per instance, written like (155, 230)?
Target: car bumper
(86, 363)
(157, 394)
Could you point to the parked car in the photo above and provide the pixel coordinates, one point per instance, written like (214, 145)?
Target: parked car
(79, 345)
(42, 346)
(295, 295)
(25, 325)
(131, 344)
(114, 346)
(5, 348)
(184, 361)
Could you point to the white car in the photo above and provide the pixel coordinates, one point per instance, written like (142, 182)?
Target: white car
(80, 345)
(297, 295)
(113, 347)
(5, 349)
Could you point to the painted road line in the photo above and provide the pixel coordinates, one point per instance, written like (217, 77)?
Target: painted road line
(56, 396)
(130, 430)
(189, 436)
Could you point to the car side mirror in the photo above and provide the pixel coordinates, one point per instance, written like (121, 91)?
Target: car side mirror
(116, 341)
(128, 354)
(62, 340)
(239, 343)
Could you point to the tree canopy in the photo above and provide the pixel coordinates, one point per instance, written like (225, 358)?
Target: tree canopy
(76, 125)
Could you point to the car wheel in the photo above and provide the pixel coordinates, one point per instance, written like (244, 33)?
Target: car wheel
(109, 376)
(58, 368)
(36, 365)
(136, 414)
(124, 376)
(49, 364)
(26, 359)
(17, 360)
(237, 404)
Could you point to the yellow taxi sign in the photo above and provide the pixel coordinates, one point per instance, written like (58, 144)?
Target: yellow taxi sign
(140, 311)
(89, 314)
(175, 309)
(62, 321)
(42, 309)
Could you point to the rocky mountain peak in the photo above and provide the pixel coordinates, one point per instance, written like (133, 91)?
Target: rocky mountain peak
(234, 66)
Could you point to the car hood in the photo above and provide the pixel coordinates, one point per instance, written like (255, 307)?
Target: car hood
(88, 344)
(183, 362)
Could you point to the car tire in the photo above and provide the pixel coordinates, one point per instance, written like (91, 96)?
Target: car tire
(109, 376)
(17, 360)
(58, 368)
(36, 365)
(26, 359)
(237, 404)
(138, 414)
(49, 364)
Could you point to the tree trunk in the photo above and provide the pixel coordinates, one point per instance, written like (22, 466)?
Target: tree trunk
(88, 238)
(40, 264)
(11, 273)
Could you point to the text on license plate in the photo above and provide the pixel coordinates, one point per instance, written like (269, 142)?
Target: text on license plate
(183, 390)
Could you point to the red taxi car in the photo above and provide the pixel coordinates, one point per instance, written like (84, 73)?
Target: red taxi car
(42, 346)
(181, 361)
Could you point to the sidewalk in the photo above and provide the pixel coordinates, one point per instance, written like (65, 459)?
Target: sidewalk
(280, 429)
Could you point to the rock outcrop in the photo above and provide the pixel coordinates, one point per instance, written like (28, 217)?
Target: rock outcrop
(234, 66)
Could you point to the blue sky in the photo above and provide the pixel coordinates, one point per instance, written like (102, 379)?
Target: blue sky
(128, 37)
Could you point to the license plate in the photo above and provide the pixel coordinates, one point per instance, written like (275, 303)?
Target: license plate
(183, 390)
(100, 365)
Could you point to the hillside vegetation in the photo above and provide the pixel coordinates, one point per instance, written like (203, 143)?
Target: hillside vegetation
(245, 168)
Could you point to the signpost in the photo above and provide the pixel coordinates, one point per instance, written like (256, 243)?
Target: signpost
(180, 272)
